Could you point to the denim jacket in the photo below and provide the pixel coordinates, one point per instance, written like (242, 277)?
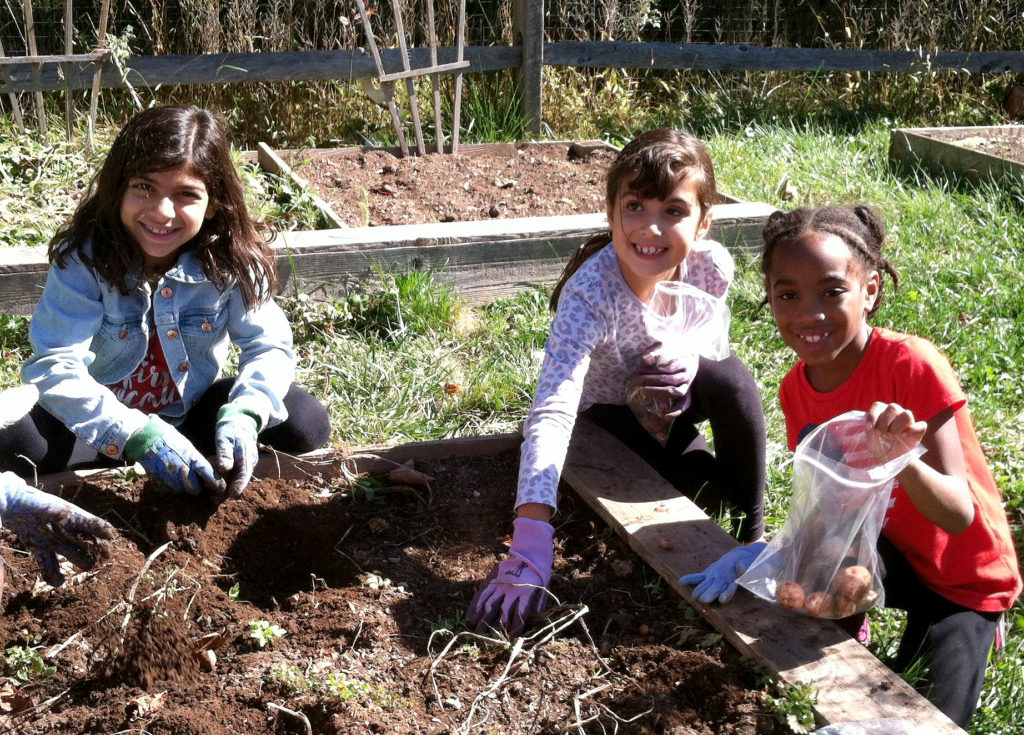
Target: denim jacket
(85, 335)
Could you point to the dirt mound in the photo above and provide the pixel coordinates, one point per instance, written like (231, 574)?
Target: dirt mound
(366, 583)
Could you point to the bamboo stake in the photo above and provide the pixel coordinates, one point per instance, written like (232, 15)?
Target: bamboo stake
(68, 49)
(434, 82)
(387, 87)
(410, 83)
(5, 77)
(101, 39)
(457, 113)
(30, 37)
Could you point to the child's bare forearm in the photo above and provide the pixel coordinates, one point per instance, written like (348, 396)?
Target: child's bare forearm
(945, 500)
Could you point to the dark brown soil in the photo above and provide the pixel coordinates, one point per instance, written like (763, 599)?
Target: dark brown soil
(363, 580)
(375, 188)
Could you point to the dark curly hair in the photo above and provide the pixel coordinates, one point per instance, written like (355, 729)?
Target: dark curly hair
(860, 227)
(231, 246)
(652, 165)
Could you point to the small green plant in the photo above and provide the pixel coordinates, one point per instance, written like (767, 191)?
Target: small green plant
(25, 665)
(233, 591)
(295, 679)
(264, 632)
(793, 705)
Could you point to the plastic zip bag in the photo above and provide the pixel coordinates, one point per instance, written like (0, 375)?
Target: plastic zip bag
(687, 323)
(824, 562)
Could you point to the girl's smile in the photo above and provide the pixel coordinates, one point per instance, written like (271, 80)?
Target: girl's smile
(820, 298)
(653, 236)
(164, 210)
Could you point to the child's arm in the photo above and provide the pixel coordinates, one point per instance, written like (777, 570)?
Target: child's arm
(936, 483)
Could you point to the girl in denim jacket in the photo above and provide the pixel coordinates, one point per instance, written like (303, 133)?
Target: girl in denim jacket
(160, 269)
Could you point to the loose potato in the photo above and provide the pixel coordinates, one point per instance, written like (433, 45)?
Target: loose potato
(790, 595)
(820, 604)
(853, 582)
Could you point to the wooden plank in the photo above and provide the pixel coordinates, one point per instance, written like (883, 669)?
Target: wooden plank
(271, 162)
(326, 463)
(275, 66)
(631, 55)
(528, 29)
(30, 39)
(917, 147)
(433, 69)
(644, 509)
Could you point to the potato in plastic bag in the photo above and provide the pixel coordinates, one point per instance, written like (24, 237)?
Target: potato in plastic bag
(824, 562)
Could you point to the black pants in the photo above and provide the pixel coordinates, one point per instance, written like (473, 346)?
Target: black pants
(38, 443)
(949, 643)
(732, 479)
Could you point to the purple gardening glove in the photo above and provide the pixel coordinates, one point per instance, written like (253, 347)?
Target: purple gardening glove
(718, 581)
(659, 391)
(517, 587)
(48, 525)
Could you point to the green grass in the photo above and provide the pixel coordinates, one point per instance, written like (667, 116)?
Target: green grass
(403, 359)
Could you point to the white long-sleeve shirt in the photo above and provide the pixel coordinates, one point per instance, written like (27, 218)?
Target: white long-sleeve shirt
(593, 350)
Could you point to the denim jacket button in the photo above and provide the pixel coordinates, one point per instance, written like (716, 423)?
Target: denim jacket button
(183, 367)
(167, 292)
(207, 327)
(112, 450)
(123, 334)
(172, 333)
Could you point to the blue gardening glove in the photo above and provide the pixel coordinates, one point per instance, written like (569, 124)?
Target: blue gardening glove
(237, 448)
(517, 587)
(718, 581)
(172, 463)
(48, 525)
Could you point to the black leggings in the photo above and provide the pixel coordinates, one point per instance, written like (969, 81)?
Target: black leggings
(952, 642)
(38, 443)
(732, 479)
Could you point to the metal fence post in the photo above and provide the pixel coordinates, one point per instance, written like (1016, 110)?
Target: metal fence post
(528, 34)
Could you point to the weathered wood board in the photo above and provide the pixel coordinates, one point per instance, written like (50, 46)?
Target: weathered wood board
(919, 147)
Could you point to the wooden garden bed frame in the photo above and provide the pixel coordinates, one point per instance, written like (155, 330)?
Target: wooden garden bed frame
(917, 147)
(483, 259)
(852, 685)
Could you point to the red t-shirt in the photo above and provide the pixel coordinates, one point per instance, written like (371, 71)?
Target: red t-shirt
(977, 568)
(149, 387)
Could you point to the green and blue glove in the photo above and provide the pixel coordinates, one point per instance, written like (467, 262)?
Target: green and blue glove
(237, 447)
(48, 525)
(170, 460)
(718, 581)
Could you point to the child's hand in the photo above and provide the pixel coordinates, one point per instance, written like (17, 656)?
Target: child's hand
(170, 460)
(893, 430)
(48, 525)
(516, 588)
(718, 581)
(237, 447)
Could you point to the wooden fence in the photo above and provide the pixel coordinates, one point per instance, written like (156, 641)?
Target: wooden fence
(528, 56)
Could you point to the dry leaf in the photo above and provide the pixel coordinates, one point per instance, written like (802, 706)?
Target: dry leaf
(144, 705)
(12, 702)
(378, 525)
(210, 642)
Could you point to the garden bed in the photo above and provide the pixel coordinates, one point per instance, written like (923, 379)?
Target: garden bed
(978, 153)
(365, 582)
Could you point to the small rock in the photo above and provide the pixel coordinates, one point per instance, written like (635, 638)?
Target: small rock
(494, 212)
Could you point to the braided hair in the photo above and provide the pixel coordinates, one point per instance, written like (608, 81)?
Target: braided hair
(652, 165)
(860, 227)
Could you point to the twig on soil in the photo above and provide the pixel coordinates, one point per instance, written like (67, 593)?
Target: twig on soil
(298, 715)
(36, 708)
(342, 553)
(134, 588)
